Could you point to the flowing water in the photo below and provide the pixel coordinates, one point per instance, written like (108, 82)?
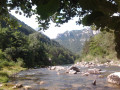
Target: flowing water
(64, 81)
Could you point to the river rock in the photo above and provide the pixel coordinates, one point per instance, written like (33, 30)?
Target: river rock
(52, 68)
(74, 68)
(57, 68)
(42, 82)
(27, 87)
(114, 78)
(17, 86)
(94, 82)
(72, 72)
(94, 71)
(85, 74)
(1, 85)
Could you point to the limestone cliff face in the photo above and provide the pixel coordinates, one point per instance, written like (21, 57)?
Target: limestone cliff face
(74, 40)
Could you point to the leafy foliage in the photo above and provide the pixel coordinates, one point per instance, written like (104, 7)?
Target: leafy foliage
(98, 12)
(60, 11)
(31, 50)
(101, 46)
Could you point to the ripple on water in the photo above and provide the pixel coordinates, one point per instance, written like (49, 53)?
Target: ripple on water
(64, 81)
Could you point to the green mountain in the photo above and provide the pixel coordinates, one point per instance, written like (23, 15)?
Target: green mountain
(32, 47)
(74, 40)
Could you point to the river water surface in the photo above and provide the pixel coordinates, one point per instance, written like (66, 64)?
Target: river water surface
(64, 81)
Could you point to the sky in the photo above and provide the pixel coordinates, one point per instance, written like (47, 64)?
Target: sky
(53, 31)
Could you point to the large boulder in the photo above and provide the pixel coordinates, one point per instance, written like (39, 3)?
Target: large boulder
(73, 70)
(114, 78)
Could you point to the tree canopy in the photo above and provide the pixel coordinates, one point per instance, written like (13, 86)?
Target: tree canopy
(98, 12)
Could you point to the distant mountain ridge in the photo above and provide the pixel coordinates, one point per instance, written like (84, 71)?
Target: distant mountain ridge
(74, 40)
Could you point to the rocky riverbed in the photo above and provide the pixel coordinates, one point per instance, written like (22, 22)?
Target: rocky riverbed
(80, 76)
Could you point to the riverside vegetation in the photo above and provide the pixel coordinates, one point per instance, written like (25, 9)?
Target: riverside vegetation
(100, 48)
(24, 47)
(19, 51)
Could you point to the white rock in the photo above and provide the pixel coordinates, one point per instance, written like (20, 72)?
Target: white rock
(52, 68)
(94, 71)
(72, 72)
(85, 74)
(1, 85)
(114, 78)
(42, 82)
(27, 87)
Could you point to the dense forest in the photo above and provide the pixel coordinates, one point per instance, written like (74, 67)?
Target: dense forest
(25, 47)
(101, 47)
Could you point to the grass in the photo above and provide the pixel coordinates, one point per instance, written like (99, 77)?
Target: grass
(4, 77)
(7, 69)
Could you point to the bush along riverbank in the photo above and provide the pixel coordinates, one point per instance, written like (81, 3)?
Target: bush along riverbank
(7, 70)
(19, 50)
(100, 48)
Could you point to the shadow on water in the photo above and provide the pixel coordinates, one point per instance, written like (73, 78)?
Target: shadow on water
(64, 81)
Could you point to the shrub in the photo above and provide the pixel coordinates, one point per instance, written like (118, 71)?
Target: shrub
(20, 62)
(5, 63)
(4, 77)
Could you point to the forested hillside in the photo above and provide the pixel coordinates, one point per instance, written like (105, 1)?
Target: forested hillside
(25, 47)
(101, 47)
(34, 48)
(21, 26)
(74, 40)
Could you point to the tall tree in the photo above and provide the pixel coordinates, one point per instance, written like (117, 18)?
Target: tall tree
(98, 12)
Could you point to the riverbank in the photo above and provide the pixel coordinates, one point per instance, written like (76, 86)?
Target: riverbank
(84, 69)
(67, 77)
(97, 63)
(7, 72)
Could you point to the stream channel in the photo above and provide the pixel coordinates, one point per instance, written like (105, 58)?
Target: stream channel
(65, 81)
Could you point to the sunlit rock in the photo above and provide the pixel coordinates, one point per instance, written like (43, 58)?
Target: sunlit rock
(42, 82)
(27, 87)
(72, 72)
(17, 86)
(85, 74)
(57, 68)
(94, 71)
(1, 85)
(114, 78)
(74, 68)
(52, 68)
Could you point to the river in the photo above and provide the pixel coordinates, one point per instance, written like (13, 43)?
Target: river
(63, 81)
